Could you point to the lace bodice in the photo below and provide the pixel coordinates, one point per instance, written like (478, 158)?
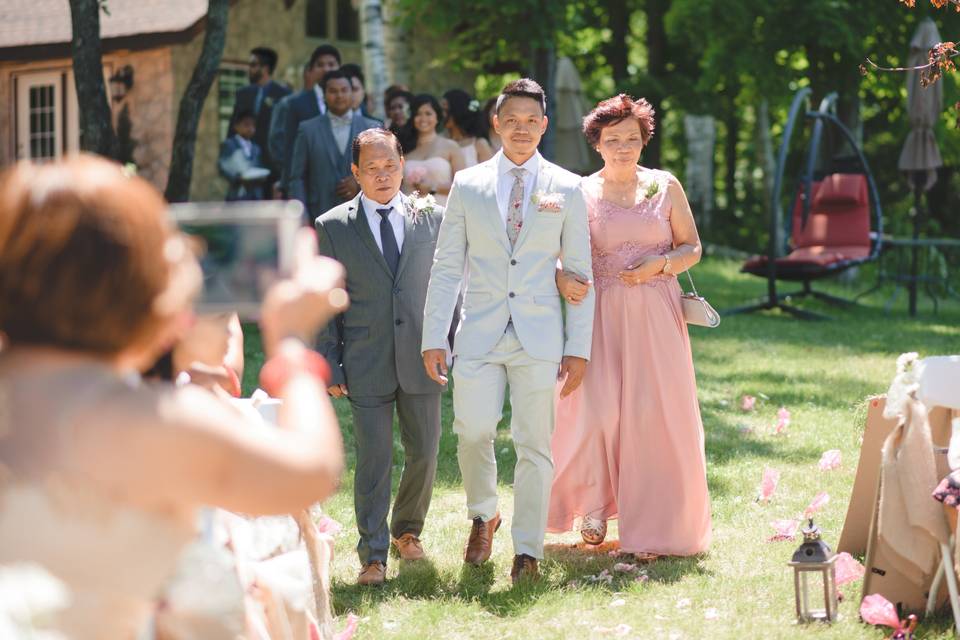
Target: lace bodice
(622, 236)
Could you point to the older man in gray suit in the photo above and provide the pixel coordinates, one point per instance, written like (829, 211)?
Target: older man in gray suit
(320, 175)
(386, 242)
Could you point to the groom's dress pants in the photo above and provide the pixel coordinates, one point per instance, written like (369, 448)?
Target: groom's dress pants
(479, 386)
(419, 416)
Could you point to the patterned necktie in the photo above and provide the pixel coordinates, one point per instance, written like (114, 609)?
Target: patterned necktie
(515, 205)
(389, 241)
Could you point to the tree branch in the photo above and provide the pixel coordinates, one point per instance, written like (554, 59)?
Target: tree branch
(191, 104)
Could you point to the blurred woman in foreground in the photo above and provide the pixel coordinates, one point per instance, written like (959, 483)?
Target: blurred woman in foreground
(101, 477)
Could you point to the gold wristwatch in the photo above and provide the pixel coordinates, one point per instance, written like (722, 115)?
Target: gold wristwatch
(667, 267)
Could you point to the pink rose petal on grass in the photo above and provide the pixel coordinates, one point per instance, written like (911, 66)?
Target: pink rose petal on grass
(875, 609)
(848, 569)
(769, 484)
(785, 530)
(819, 501)
(747, 403)
(830, 460)
(624, 567)
(352, 623)
(783, 421)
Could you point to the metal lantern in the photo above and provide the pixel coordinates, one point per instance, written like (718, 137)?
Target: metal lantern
(814, 578)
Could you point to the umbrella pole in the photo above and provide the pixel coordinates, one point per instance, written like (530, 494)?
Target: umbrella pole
(919, 179)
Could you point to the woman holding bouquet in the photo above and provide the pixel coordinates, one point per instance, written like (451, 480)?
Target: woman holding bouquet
(430, 159)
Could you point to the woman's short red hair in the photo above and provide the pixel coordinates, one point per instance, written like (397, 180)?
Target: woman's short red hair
(81, 255)
(617, 109)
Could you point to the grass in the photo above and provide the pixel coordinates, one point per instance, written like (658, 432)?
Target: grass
(820, 371)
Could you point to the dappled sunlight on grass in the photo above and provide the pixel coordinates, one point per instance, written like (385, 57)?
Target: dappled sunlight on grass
(820, 371)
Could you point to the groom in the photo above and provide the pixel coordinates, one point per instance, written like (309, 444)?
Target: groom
(507, 222)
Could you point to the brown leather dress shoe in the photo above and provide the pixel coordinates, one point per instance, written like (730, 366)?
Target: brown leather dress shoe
(372, 574)
(480, 542)
(409, 547)
(524, 568)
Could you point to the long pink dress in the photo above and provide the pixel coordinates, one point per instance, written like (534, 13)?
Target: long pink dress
(628, 443)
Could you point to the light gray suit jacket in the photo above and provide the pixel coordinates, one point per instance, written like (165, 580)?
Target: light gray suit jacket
(318, 164)
(504, 283)
(374, 346)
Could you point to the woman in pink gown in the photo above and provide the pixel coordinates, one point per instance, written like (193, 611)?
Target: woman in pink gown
(629, 442)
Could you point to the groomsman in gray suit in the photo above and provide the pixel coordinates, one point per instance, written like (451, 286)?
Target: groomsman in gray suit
(320, 175)
(507, 222)
(386, 243)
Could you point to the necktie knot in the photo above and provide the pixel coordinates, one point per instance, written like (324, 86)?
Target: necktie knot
(518, 173)
(385, 212)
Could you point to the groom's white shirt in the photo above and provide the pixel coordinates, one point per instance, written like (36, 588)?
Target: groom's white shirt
(505, 182)
(505, 283)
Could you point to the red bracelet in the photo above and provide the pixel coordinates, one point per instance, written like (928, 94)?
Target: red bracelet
(276, 373)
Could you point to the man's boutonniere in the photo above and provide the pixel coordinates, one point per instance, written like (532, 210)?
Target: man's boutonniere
(419, 206)
(552, 202)
(268, 101)
(652, 189)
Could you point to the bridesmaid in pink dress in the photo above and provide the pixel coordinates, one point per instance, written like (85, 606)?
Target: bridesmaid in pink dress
(629, 442)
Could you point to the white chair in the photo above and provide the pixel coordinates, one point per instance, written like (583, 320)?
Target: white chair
(938, 385)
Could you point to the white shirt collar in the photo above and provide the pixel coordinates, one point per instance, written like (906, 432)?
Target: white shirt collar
(346, 118)
(321, 101)
(370, 206)
(505, 164)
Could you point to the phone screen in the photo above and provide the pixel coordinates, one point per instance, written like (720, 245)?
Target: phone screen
(243, 249)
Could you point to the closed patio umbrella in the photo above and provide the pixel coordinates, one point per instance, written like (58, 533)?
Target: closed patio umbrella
(920, 156)
(571, 151)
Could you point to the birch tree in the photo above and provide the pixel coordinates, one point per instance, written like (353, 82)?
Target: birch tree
(373, 37)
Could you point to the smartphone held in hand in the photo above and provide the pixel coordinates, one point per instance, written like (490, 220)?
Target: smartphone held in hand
(244, 247)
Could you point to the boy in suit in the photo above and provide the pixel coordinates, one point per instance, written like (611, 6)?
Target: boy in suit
(238, 154)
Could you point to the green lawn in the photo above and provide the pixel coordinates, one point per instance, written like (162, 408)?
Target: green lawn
(820, 371)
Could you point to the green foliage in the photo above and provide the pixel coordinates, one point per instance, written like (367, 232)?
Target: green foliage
(489, 35)
(723, 58)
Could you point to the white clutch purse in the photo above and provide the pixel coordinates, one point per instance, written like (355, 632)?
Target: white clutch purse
(696, 309)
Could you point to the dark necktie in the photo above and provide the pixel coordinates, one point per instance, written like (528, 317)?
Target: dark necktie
(388, 240)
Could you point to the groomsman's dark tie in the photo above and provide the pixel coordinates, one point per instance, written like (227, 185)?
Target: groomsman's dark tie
(389, 241)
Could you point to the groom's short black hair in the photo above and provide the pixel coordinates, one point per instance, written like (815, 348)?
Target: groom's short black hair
(523, 88)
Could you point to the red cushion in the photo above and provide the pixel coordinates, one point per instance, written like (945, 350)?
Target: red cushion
(825, 256)
(839, 216)
(841, 190)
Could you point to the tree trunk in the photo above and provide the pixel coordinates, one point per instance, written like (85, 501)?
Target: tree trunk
(96, 121)
(544, 72)
(375, 57)
(617, 50)
(732, 122)
(657, 70)
(191, 104)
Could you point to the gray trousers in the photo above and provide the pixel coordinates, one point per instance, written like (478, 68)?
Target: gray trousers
(420, 436)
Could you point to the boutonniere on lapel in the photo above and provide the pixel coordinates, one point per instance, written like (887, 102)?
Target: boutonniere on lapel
(268, 101)
(552, 202)
(651, 189)
(418, 206)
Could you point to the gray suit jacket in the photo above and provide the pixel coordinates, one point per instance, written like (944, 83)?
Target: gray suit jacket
(505, 282)
(374, 346)
(317, 164)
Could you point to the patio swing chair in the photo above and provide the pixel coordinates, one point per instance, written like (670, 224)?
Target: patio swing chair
(836, 222)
